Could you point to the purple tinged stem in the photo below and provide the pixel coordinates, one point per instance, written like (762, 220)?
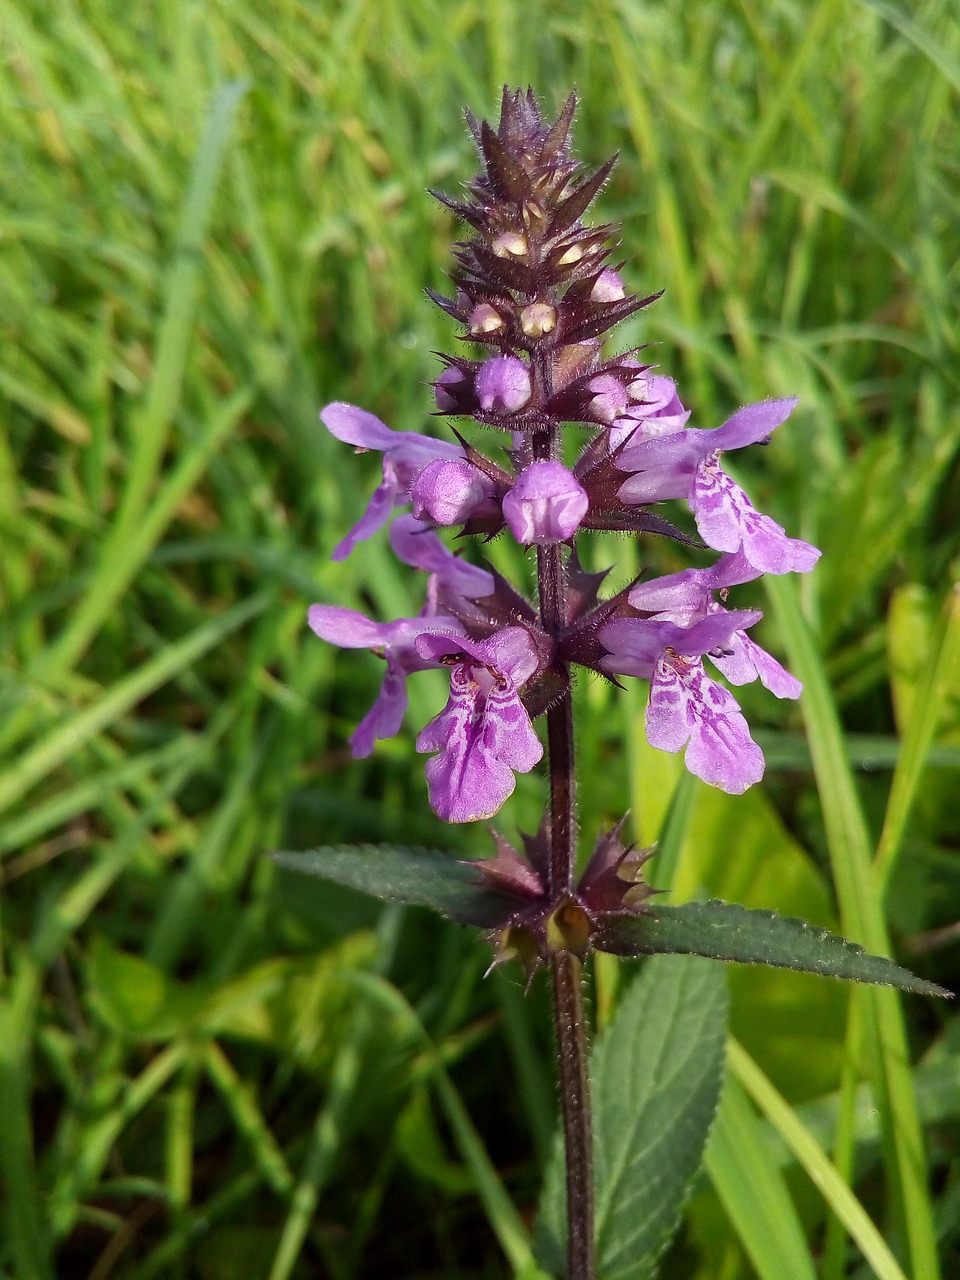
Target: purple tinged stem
(575, 1103)
(569, 1022)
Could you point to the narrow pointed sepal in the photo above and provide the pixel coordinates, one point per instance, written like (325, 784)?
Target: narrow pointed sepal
(613, 880)
(582, 588)
(508, 872)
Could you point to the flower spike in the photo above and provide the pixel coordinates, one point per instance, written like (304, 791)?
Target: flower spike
(536, 289)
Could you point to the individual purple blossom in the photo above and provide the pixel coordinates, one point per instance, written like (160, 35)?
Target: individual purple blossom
(685, 464)
(503, 385)
(452, 588)
(405, 454)
(484, 733)
(687, 597)
(394, 641)
(685, 705)
(545, 504)
(449, 491)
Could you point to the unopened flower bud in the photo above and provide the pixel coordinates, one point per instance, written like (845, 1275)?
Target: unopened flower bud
(511, 244)
(503, 385)
(608, 287)
(573, 254)
(448, 491)
(546, 504)
(485, 319)
(610, 397)
(449, 378)
(537, 319)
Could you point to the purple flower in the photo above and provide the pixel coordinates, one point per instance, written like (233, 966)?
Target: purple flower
(452, 587)
(484, 733)
(503, 385)
(687, 597)
(634, 645)
(405, 454)
(454, 583)
(449, 491)
(655, 410)
(687, 709)
(545, 504)
(685, 705)
(685, 464)
(395, 641)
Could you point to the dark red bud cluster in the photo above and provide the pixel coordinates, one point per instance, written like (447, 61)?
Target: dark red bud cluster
(538, 921)
(533, 278)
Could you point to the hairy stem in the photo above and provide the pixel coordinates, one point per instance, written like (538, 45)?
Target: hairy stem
(562, 795)
(575, 1103)
(571, 1030)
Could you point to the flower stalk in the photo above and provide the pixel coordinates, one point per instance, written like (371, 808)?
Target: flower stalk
(535, 295)
(571, 1032)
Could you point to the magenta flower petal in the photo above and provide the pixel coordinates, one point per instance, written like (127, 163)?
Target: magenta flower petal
(752, 423)
(381, 503)
(545, 504)
(483, 733)
(745, 661)
(728, 521)
(346, 627)
(405, 454)
(357, 427)
(687, 709)
(385, 716)
(683, 450)
(395, 641)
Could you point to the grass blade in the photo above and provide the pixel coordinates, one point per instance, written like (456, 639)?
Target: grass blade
(753, 1192)
(813, 1158)
(183, 283)
(59, 745)
(862, 920)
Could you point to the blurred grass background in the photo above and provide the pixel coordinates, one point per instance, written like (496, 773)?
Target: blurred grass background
(214, 220)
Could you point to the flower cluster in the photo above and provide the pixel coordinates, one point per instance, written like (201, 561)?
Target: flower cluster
(535, 292)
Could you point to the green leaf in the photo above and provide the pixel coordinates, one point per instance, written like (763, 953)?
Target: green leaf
(135, 997)
(655, 1075)
(418, 877)
(726, 931)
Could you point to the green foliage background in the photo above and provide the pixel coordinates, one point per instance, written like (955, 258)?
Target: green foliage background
(213, 220)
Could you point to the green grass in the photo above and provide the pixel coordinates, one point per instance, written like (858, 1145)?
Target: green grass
(213, 221)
